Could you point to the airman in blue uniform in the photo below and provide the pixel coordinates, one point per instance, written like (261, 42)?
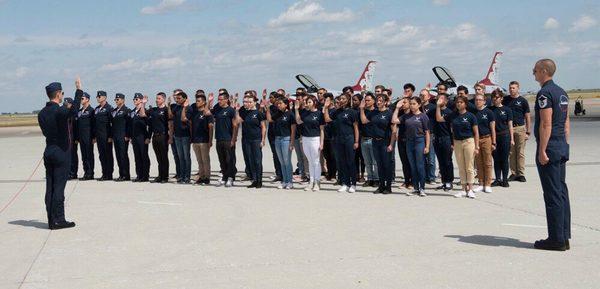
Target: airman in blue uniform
(552, 133)
(103, 135)
(86, 136)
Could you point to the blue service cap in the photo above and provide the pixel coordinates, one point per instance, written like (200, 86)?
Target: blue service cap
(53, 87)
(101, 93)
(86, 95)
(68, 100)
(138, 95)
(119, 95)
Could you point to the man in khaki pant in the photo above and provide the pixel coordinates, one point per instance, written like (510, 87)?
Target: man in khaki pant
(521, 131)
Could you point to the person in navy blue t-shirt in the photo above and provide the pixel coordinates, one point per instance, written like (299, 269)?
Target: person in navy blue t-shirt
(504, 138)
(202, 125)
(284, 132)
(254, 131)
(226, 136)
(313, 123)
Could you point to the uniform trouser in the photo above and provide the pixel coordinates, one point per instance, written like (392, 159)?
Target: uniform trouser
(183, 153)
(302, 162)
(226, 154)
(202, 152)
(253, 159)
(87, 156)
(310, 146)
(384, 162)
(160, 144)
(105, 154)
(517, 152)
(122, 155)
(344, 150)
(465, 155)
(556, 192)
(330, 160)
(282, 146)
(359, 160)
(483, 160)
(275, 158)
(416, 158)
(406, 170)
(142, 160)
(57, 163)
(443, 150)
(74, 160)
(430, 161)
(501, 156)
(176, 160)
(366, 146)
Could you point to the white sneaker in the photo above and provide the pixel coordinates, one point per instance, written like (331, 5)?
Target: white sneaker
(289, 186)
(272, 177)
(352, 189)
(409, 193)
(461, 194)
(281, 186)
(309, 187)
(229, 182)
(488, 190)
(221, 183)
(317, 186)
(343, 189)
(422, 193)
(478, 189)
(471, 194)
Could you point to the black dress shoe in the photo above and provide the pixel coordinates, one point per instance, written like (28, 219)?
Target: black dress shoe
(496, 183)
(136, 180)
(550, 245)
(442, 187)
(367, 183)
(512, 178)
(567, 245)
(521, 179)
(72, 177)
(386, 191)
(156, 180)
(378, 191)
(375, 184)
(61, 225)
(258, 185)
(126, 179)
(144, 180)
(119, 179)
(505, 184)
(252, 185)
(86, 178)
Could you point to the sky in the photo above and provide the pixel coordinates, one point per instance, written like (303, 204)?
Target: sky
(149, 46)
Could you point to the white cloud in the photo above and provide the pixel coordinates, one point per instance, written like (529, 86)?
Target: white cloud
(21, 71)
(144, 66)
(390, 33)
(465, 31)
(551, 23)
(441, 2)
(309, 12)
(583, 23)
(123, 65)
(163, 7)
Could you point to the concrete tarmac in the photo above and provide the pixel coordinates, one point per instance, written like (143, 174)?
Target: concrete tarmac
(131, 235)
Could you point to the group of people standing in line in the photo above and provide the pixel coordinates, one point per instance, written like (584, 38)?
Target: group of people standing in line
(351, 137)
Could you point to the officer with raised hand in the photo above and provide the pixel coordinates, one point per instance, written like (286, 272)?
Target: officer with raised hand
(551, 131)
(72, 129)
(85, 136)
(103, 135)
(120, 136)
(140, 138)
(53, 120)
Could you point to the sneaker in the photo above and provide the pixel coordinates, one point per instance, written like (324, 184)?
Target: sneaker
(409, 193)
(488, 190)
(352, 189)
(367, 183)
(375, 184)
(478, 189)
(317, 186)
(221, 183)
(422, 193)
(309, 187)
(449, 187)
(229, 182)
(461, 194)
(289, 186)
(521, 179)
(343, 189)
(471, 194)
(272, 177)
(431, 182)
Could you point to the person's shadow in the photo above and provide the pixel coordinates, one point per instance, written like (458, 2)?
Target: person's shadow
(30, 223)
(493, 241)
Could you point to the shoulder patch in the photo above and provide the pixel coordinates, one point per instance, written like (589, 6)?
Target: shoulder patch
(542, 101)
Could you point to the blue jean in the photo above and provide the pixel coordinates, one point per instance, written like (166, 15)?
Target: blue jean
(369, 156)
(384, 161)
(300, 157)
(344, 151)
(253, 158)
(176, 158)
(430, 162)
(282, 146)
(414, 150)
(183, 152)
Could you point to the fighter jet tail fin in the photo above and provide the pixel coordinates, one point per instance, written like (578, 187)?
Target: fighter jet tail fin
(365, 82)
(491, 78)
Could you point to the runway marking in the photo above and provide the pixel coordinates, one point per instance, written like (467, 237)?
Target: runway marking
(14, 197)
(160, 203)
(524, 225)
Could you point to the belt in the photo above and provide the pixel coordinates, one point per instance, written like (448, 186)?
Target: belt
(366, 137)
(504, 132)
(484, 136)
(378, 138)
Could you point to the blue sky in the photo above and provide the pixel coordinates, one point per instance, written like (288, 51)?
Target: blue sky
(158, 45)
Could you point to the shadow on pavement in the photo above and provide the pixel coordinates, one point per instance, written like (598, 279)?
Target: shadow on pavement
(30, 223)
(493, 241)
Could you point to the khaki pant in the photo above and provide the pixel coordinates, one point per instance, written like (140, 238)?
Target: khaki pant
(517, 152)
(464, 150)
(483, 161)
(201, 150)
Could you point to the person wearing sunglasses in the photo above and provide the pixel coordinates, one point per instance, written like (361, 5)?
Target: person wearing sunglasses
(504, 138)
(120, 136)
(103, 135)
(85, 137)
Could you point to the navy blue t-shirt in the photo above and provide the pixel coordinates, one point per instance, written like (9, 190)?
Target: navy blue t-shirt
(283, 122)
(519, 106)
(200, 124)
(484, 120)
(441, 129)
(367, 129)
(344, 120)
(380, 123)
(311, 122)
(429, 110)
(252, 120)
(502, 115)
(271, 132)
(462, 124)
(180, 129)
(330, 126)
(223, 122)
(415, 125)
